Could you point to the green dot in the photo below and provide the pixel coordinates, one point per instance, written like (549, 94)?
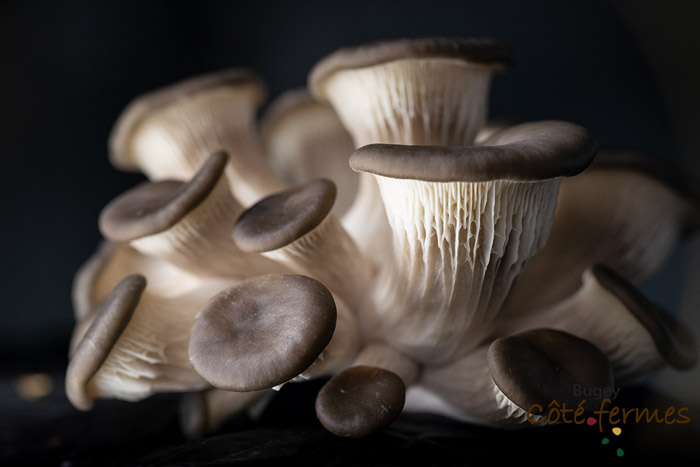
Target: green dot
(605, 441)
(620, 452)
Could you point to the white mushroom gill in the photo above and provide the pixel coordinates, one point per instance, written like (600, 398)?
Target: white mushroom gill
(458, 248)
(151, 355)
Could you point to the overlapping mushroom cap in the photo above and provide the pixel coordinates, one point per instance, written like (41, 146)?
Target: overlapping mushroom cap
(472, 270)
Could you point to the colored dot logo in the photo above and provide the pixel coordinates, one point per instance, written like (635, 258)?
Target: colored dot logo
(616, 431)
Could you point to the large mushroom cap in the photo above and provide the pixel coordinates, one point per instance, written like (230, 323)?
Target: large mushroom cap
(108, 325)
(279, 219)
(487, 52)
(148, 104)
(545, 365)
(360, 401)
(262, 332)
(529, 151)
(153, 207)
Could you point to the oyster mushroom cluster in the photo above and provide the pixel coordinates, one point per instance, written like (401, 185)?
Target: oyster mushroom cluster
(377, 230)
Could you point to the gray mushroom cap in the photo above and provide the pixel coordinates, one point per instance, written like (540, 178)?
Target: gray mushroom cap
(483, 51)
(262, 332)
(281, 218)
(544, 365)
(360, 400)
(108, 325)
(525, 152)
(154, 207)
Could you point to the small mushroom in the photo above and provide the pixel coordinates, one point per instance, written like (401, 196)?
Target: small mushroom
(168, 133)
(297, 229)
(628, 210)
(466, 220)
(636, 334)
(262, 332)
(185, 223)
(305, 140)
(136, 345)
(408, 91)
(359, 401)
(501, 383)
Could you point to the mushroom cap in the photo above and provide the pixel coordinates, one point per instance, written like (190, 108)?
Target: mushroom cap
(279, 219)
(262, 332)
(153, 207)
(482, 51)
(93, 349)
(525, 152)
(544, 365)
(360, 400)
(139, 109)
(673, 341)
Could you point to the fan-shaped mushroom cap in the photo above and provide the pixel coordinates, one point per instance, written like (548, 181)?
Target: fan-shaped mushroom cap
(186, 223)
(169, 132)
(359, 401)
(544, 365)
(262, 332)
(628, 210)
(109, 323)
(282, 218)
(305, 140)
(466, 221)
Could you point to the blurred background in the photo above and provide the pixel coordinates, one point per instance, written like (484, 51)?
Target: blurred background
(627, 70)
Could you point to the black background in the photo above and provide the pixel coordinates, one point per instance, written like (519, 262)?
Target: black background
(626, 70)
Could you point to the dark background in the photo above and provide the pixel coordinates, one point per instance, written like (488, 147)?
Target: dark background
(627, 70)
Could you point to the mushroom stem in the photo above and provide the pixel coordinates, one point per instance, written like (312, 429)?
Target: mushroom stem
(205, 412)
(381, 355)
(458, 248)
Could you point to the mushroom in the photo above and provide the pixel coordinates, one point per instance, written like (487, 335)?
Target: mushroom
(369, 394)
(636, 334)
(110, 263)
(466, 220)
(262, 332)
(359, 401)
(500, 383)
(168, 133)
(296, 228)
(185, 223)
(628, 210)
(136, 345)
(411, 91)
(305, 140)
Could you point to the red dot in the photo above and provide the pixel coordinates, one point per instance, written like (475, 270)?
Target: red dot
(591, 421)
